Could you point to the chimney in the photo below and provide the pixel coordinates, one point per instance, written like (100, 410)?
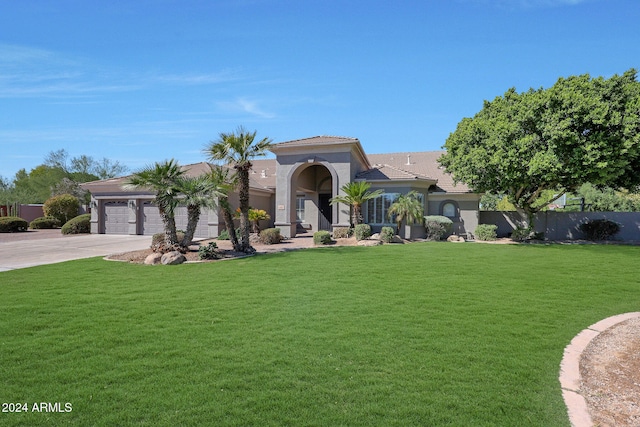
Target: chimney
(263, 174)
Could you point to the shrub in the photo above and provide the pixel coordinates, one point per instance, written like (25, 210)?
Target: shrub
(342, 232)
(437, 226)
(44, 222)
(63, 207)
(599, 229)
(224, 234)
(10, 224)
(362, 231)
(523, 234)
(158, 244)
(486, 232)
(78, 225)
(321, 237)
(387, 234)
(209, 251)
(270, 236)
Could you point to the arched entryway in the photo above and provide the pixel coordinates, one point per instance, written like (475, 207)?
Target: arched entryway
(311, 191)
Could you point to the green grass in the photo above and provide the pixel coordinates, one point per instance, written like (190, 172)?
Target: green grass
(423, 334)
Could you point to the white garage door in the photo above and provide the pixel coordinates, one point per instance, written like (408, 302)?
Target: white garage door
(116, 217)
(152, 223)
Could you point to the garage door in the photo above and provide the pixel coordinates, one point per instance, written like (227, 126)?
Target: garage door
(152, 223)
(116, 217)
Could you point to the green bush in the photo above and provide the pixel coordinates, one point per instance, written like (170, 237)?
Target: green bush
(44, 222)
(342, 232)
(437, 226)
(224, 234)
(486, 232)
(362, 231)
(387, 234)
(78, 225)
(599, 229)
(524, 234)
(321, 237)
(158, 243)
(209, 251)
(270, 236)
(63, 207)
(10, 224)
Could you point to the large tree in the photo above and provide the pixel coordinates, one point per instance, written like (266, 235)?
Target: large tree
(355, 194)
(238, 149)
(580, 130)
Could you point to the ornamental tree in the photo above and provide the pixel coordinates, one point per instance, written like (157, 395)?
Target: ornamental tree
(238, 149)
(580, 130)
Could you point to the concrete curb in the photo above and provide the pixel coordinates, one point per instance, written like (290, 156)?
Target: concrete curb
(570, 369)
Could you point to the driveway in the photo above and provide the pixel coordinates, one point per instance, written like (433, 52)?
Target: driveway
(38, 247)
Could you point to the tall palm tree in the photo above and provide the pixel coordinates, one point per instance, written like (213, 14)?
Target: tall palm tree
(197, 192)
(407, 207)
(228, 182)
(238, 149)
(356, 194)
(162, 178)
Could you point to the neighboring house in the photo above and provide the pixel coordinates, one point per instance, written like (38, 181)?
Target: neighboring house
(296, 187)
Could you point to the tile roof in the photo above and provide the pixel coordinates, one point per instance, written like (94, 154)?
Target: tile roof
(392, 166)
(316, 140)
(387, 172)
(423, 164)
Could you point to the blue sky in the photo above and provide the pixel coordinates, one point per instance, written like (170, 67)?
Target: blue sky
(144, 81)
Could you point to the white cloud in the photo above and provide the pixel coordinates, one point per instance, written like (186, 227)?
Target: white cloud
(247, 106)
(201, 79)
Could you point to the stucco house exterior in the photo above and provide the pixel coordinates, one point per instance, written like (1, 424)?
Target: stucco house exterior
(295, 189)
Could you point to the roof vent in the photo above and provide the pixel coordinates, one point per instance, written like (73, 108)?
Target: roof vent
(408, 159)
(263, 174)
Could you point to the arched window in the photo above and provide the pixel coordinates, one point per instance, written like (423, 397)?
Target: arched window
(449, 209)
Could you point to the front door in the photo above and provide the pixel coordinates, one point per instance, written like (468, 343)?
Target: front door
(325, 213)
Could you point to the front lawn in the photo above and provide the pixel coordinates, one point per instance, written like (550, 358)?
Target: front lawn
(431, 334)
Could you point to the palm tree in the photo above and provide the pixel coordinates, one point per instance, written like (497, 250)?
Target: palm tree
(228, 182)
(257, 215)
(197, 192)
(238, 149)
(407, 207)
(162, 178)
(356, 194)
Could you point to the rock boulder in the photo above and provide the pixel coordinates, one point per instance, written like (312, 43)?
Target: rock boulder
(153, 259)
(173, 258)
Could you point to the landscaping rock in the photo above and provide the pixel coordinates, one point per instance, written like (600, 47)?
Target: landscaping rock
(173, 258)
(153, 259)
(375, 236)
(455, 239)
(397, 239)
(369, 242)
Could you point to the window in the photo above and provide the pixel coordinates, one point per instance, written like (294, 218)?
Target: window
(449, 209)
(377, 209)
(300, 208)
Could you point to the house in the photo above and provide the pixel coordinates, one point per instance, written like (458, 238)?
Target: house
(295, 188)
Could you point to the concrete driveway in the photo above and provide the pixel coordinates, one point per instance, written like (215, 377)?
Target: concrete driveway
(38, 247)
